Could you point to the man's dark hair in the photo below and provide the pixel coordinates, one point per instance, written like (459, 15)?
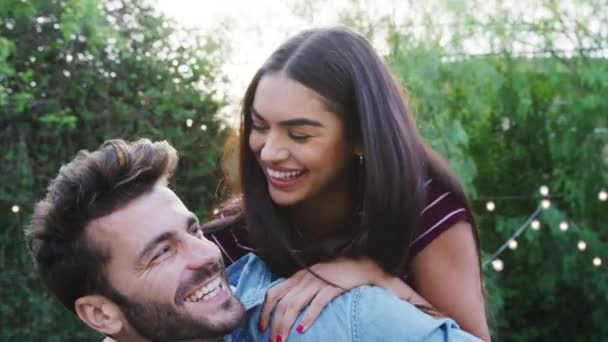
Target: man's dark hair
(92, 185)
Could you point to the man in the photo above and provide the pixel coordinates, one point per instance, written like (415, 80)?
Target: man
(118, 248)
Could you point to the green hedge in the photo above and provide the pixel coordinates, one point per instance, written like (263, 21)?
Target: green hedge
(508, 125)
(74, 73)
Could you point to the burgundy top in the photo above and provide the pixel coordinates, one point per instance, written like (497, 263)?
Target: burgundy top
(443, 209)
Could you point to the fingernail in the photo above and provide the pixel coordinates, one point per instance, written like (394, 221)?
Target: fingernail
(260, 327)
(300, 328)
(279, 339)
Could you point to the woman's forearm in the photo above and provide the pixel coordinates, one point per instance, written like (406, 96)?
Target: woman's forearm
(400, 289)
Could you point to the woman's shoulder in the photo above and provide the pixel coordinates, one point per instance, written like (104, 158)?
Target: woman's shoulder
(443, 209)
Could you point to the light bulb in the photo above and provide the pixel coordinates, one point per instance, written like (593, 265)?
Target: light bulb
(490, 206)
(545, 204)
(498, 265)
(535, 225)
(597, 262)
(582, 245)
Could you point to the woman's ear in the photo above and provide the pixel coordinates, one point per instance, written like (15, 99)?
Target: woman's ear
(358, 150)
(100, 313)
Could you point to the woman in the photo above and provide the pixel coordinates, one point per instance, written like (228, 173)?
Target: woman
(339, 189)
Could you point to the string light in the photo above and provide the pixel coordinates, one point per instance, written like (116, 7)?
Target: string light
(498, 265)
(582, 245)
(535, 225)
(544, 190)
(203, 128)
(15, 209)
(597, 262)
(215, 211)
(517, 233)
(603, 196)
(189, 123)
(490, 206)
(545, 204)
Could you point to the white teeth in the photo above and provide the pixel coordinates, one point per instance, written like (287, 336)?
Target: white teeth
(283, 174)
(206, 292)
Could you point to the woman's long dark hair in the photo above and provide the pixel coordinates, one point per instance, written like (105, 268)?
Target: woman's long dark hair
(344, 69)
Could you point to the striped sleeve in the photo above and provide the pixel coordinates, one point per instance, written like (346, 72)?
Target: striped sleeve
(442, 211)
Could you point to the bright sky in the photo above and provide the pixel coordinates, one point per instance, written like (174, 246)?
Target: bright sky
(257, 28)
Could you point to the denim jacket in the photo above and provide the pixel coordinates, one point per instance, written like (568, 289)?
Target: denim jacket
(361, 314)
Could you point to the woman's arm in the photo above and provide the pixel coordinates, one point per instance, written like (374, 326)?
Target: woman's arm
(446, 273)
(285, 301)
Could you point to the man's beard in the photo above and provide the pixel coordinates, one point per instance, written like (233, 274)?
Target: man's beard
(160, 321)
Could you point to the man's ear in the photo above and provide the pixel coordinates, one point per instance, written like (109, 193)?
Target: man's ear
(99, 313)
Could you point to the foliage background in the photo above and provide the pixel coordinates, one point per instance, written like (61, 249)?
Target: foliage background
(526, 112)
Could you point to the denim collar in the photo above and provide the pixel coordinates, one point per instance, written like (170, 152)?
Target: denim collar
(250, 279)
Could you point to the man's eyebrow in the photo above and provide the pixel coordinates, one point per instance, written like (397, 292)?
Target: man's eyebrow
(290, 122)
(190, 221)
(155, 242)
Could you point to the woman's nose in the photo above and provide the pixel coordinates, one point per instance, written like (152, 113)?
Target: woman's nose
(273, 151)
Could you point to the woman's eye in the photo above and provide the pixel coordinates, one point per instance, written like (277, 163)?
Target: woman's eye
(198, 233)
(257, 127)
(299, 137)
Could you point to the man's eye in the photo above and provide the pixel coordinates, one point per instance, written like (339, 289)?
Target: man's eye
(162, 252)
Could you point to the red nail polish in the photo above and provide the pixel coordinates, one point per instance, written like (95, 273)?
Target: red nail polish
(270, 339)
(300, 328)
(279, 339)
(260, 327)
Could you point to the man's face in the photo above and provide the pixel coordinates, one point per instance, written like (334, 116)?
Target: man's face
(171, 276)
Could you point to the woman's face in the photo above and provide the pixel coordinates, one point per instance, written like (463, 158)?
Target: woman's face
(300, 145)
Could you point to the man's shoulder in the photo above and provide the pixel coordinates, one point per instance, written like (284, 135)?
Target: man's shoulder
(362, 314)
(378, 315)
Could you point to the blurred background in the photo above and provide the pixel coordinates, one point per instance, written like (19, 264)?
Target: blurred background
(513, 94)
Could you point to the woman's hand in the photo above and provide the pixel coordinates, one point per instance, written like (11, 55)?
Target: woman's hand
(303, 288)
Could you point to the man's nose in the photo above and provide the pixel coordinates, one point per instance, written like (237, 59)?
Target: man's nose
(274, 150)
(202, 253)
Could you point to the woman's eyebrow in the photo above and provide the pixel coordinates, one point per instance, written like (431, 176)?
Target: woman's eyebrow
(290, 122)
